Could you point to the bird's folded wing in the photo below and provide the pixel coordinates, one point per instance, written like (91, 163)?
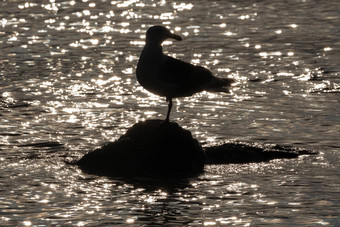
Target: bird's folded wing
(181, 73)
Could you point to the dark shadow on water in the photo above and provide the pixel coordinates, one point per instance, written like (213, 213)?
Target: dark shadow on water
(151, 184)
(147, 183)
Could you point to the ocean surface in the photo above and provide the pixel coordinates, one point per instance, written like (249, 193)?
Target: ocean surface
(68, 86)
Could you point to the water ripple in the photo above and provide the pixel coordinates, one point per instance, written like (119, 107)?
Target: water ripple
(68, 85)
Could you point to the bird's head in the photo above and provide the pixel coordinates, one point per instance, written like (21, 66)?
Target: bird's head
(158, 34)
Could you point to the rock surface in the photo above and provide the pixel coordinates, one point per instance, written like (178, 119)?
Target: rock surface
(154, 148)
(148, 148)
(239, 153)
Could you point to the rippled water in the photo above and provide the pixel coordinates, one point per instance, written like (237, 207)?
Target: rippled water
(68, 85)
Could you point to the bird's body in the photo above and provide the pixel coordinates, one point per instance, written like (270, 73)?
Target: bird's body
(166, 76)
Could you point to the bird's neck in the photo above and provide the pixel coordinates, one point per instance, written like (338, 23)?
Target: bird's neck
(150, 57)
(155, 41)
(152, 50)
(154, 45)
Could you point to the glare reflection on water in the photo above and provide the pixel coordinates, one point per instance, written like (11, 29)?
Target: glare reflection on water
(68, 86)
(78, 198)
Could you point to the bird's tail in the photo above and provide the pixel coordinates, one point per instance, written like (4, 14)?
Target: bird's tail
(220, 84)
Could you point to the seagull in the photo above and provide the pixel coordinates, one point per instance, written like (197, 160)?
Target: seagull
(170, 77)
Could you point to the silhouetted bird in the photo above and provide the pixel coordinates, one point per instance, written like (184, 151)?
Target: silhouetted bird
(170, 77)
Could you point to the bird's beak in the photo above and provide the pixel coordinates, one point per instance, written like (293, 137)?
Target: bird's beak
(176, 37)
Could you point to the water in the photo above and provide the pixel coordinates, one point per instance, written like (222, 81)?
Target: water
(68, 86)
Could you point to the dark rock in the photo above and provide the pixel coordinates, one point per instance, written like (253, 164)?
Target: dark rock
(238, 153)
(149, 148)
(154, 148)
(42, 144)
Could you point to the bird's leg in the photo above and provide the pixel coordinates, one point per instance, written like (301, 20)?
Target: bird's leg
(169, 109)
